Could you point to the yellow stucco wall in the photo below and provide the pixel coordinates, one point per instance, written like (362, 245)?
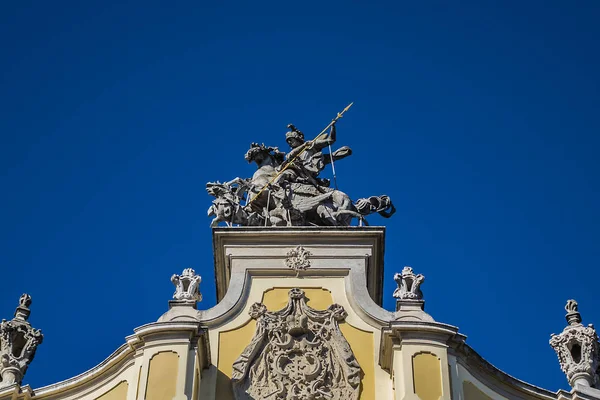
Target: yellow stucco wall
(231, 345)
(427, 376)
(471, 392)
(277, 298)
(162, 376)
(233, 342)
(118, 392)
(196, 383)
(361, 343)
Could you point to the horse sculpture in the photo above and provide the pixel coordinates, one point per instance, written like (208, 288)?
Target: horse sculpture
(273, 198)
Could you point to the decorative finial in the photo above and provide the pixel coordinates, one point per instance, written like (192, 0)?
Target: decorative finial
(187, 286)
(22, 312)
(573, 317)
(18, 343)
(577, 349)
(408, 285)
(25, 300)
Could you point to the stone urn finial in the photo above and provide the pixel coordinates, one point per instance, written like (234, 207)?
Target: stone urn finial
(409, 285)
(573, 317)
(187, 286)
(577, 349)
(408, 295)
(18, 343)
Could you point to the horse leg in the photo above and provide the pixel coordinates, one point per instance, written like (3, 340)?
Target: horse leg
(327, 215)
(342, 204)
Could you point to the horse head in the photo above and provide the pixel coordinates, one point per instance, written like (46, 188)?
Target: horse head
(226, 205)
(263, 155)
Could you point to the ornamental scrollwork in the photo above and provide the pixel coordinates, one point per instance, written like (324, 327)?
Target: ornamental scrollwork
(577, 349)
(297, 353)
(409, 285)
(298, 259)
(18, 343)
(187, 286)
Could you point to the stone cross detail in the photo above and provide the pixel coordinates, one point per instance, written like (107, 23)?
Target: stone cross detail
(18, 343)
(577, 349)
(408, 285)
(187, 286)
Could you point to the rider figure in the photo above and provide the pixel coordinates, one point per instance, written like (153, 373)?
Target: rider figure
(310, 159)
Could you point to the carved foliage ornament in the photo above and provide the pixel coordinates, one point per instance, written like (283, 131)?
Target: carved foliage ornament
(409, 285)
(18, 343)
(298, 259)
(297, 353)
(187, 285)
(577, 349)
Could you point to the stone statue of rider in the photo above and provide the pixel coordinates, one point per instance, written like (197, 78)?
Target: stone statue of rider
(310, 159)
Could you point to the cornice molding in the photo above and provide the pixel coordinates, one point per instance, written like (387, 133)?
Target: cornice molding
(124, 356)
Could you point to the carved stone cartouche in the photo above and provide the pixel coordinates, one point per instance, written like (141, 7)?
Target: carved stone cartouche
(18, 343)
(577, 349)
(187, 286)
(297, 353)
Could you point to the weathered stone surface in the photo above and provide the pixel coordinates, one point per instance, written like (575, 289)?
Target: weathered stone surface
(18, 343)
(286, 189)
(187, 286)
(298, 259)
(577, 349)
(409, 285)
(297, 353)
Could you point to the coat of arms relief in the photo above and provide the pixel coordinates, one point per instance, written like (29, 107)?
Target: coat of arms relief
(297, 353)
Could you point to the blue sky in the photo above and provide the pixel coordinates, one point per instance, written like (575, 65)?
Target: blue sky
(478, 118)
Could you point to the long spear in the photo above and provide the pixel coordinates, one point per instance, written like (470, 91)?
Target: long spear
(306, 146)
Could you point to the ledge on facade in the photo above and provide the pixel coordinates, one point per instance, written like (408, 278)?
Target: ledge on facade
(435, 333)
(15, 391)
(580, 392)
(123, 355)
(181, 311)
(495, 378)
(10, 392)
(411, 310)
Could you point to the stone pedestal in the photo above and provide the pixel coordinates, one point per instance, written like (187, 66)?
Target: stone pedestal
(243, 252)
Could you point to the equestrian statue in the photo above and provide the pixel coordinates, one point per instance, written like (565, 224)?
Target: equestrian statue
(286, 189)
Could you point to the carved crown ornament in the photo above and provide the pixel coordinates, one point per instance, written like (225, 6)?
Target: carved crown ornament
(187, 286)
(577, 349)
(297, 353)
(18, 343)
(409, 285)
